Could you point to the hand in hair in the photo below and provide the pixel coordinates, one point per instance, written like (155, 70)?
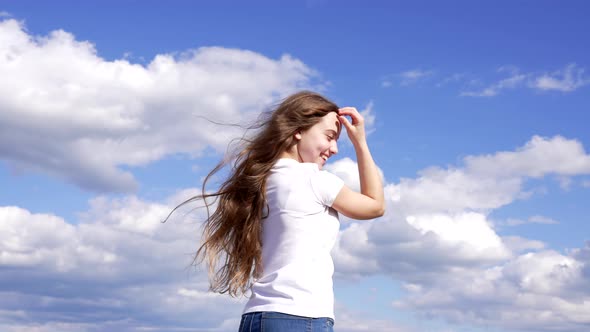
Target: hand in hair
(370, 202)
(356, 129)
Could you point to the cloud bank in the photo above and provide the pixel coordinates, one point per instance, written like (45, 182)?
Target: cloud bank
(119, 264)
(71, 114)
(437, 238)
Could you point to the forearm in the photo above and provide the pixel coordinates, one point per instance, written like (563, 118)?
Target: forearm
(370, 180)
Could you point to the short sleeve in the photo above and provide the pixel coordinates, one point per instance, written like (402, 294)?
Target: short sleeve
(326, 187)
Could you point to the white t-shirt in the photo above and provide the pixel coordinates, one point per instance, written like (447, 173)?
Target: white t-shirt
(297, 238)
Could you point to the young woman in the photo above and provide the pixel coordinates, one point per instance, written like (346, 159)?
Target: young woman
(276, 218)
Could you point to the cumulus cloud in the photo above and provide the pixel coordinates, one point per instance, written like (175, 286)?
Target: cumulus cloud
(67, 112)
(488, 182)
(347, 170)
(117, 269)
(541, 291)
(535, 159)
(418, 247)
(469, 228)
(354, 321)
(119, 264)
(437, 237)
(447, 208)
(517, 244)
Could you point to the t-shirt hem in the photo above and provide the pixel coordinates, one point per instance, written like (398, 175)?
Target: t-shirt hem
(289, 311)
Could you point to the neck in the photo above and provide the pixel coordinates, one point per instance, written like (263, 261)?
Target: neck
(292, 154)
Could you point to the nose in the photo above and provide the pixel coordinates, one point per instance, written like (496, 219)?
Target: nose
(333, 148)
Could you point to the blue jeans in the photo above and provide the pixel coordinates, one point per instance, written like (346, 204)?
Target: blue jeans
(270, 321)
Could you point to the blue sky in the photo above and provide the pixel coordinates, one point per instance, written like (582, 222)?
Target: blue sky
(478, 114)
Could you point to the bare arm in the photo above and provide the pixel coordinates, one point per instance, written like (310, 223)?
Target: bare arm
(370, 202)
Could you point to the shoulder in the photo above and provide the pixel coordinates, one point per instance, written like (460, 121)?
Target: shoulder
(326, 186)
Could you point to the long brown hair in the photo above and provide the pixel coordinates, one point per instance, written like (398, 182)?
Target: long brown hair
(233, 232)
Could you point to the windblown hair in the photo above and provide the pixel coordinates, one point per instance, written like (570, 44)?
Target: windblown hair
(233, 232)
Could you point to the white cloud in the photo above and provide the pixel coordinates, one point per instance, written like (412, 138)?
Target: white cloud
(418, 248)
(105, 245)
(406, 78)
(437, 239)
(566, 80)
(485, 183)
(489, 181)
(535, 291)
(517, 244)
(543, 220)
(369, 116)
(565, 182)
(119, 267)
(69, 113)
(44, 327)
(146, 287)
(451, 79)
(537, 219)
(452, 190)
(537, 158)
(348, 320)
(439, 219)
(467, 228)
(347, 170)
(412, 76)
(120, 258)
(508, 83)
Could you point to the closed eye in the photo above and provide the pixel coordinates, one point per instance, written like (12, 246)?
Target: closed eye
(331, 134)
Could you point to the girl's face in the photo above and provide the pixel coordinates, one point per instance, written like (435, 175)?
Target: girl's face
(319, 142)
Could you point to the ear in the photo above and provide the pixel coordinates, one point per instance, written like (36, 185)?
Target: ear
(298, 135)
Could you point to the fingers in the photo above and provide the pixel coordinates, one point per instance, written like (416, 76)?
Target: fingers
(353, 113)
(345, 122)
(354, 128)
(347, 111)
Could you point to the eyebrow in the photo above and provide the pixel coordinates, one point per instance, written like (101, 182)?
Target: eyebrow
(334, 132)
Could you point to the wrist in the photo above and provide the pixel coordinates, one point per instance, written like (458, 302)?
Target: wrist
(360, 145)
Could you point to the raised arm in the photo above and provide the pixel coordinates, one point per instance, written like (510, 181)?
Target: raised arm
(369, 203)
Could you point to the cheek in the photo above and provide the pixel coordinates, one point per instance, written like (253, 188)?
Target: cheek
(316, 144)
(324, 146)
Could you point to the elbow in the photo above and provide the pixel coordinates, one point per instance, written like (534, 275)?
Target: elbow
(379, 210)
